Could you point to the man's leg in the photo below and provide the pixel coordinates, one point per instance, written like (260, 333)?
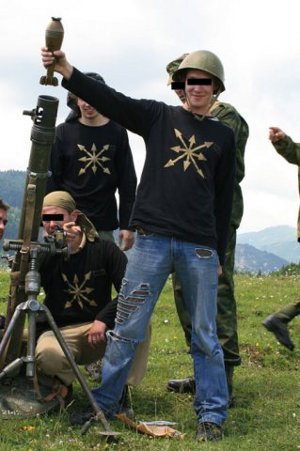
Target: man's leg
(197, 267)
(277, 323)
(227, 316)
(226, 320)
(186, 385)
(51, 360)
(146, 273)
(53, 366)
(136, 373)
(182, 311)
(139, 365)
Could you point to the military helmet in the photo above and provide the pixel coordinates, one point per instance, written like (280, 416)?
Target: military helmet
(173, 66)
(205, 61)
(72, 99)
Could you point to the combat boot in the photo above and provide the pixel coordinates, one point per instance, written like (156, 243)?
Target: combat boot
(186, 385)
(280, 330)
(209, 432)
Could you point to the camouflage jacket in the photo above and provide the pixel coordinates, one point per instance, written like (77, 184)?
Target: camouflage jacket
(227, 114)
(291, 152)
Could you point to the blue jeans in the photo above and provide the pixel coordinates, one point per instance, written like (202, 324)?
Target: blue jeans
(152, 259)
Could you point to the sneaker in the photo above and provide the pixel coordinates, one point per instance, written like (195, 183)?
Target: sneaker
(209, 432)
(280, 330)
(182, 385)
(79, 419)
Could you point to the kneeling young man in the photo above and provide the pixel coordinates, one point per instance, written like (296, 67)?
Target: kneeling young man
(78, 293)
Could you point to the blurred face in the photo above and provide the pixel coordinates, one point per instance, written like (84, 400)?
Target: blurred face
(3, 221)
(51, 225)
(181, 94)
(199, 90)
(88, 113)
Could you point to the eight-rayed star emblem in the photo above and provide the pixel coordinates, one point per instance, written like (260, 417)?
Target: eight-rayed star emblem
(94, 158)
(79, 292)
(190, 154)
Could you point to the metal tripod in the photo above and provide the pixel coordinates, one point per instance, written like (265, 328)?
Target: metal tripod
(32, 307)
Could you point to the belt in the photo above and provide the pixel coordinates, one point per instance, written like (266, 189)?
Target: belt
(142, 231)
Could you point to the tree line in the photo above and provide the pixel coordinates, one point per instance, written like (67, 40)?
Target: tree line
(12, 191)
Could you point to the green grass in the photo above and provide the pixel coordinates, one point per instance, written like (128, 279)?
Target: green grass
(266, 385)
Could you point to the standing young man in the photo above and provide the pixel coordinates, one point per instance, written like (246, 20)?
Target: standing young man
(227, 316)
(92, 160)
(181, 214)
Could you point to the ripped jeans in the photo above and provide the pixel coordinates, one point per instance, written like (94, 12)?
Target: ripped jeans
(152, 259)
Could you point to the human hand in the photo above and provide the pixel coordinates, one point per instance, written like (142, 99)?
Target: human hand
(275, 134)
(73, 235)
(97, 333)
(126, 239)
(62, 66)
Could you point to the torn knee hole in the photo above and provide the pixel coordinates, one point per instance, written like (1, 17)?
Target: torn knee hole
(113, 335)
(117, 337)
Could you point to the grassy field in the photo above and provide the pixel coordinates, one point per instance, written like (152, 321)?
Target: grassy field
(266, 415)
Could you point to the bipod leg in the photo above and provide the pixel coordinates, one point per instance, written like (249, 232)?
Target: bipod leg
(18, 316)
(99, 413)
(31, 308)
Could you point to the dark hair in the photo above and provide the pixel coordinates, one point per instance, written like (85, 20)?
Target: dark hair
(72, 98)
(3, 205)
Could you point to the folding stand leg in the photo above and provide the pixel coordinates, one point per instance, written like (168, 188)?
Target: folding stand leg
(31, 308)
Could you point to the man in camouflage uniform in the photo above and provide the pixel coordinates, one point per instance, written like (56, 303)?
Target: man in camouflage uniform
(226, 318)
(277, 322)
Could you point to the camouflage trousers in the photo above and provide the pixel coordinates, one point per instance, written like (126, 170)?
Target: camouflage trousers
(226, 316)
(289, 312)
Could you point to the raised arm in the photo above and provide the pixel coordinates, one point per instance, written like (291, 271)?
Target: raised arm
(62, 66)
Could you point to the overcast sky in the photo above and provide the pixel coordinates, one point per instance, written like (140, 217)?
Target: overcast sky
(130, 42)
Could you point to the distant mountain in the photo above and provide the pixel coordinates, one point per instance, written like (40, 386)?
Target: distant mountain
(250, 259)
(279, 240)
(12, 187)
(12, 192)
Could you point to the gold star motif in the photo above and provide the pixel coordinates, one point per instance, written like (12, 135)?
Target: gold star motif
(94, 158)
(79, 292)
(189, 154)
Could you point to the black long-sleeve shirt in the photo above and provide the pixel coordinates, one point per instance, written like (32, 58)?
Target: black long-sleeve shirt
(187, 182)
(79, 289)
(92, 163)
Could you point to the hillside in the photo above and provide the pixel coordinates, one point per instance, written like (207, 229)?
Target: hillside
(12, 187)
(12, 191)
(279, 240)
(251, 260)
